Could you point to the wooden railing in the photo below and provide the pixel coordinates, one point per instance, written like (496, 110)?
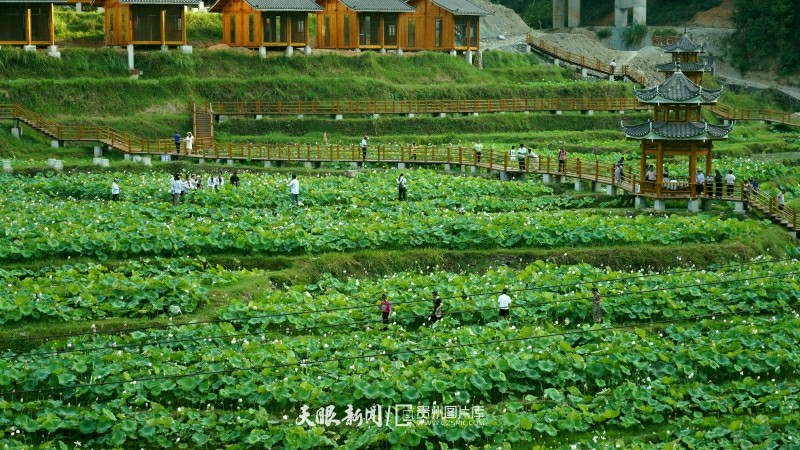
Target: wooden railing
(597, 65)
(769, 205)
(755, 114)
(332, 107)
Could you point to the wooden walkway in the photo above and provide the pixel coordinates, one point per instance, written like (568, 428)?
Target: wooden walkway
(573, 169)
(593, 64)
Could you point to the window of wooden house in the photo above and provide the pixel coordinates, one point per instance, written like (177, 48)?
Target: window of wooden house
(40, 23)
(251, 28)
(123, 25)
(299, 33)
(412, 33)
(460, 32)
(327, 30)
(274, 31)
(12, 22)
(368, 30)
(232, 29)
(390, 29)
(473, 32)
(346, 30)
(437, 33)
(146, 23)
(173, 17)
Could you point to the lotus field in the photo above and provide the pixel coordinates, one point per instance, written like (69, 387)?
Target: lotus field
(122, 330)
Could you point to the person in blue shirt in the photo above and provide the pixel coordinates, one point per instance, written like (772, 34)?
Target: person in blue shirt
(177, 138)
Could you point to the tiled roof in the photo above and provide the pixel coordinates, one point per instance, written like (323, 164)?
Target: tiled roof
(677, 130)
(683, 45)
(678, 89)
(378, 6)
(274, 5)
(461, 8)
(285, 5)
(684, 67)
(160, 2)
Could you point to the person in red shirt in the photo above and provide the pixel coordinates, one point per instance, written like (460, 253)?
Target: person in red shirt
(386, 309)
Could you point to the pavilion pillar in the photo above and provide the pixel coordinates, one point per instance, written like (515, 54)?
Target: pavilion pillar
(164, 28)
(709, 159)
(28, 31)
(659, 169)
(693, 171)
(642, 167)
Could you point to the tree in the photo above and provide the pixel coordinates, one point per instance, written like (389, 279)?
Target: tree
(767, 31)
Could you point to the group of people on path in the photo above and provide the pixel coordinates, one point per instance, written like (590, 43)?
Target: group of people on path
(180, 185)
(503, 304)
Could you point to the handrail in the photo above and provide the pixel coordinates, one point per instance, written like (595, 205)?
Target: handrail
(333, 107)
(729, 113)
(589, 63)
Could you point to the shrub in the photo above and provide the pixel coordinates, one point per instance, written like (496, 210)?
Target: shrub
(634, 34)
(604, 33)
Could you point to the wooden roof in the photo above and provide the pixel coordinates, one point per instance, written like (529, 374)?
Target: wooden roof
(678, 89)
(677, 131)
(377, 6)
(461, 8)
(683, 45)
(273, 5)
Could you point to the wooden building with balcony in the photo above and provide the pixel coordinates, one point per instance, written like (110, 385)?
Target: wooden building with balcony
(360, 24)
(442, 25)
(265, 23)
(28, 23)
(146, 22)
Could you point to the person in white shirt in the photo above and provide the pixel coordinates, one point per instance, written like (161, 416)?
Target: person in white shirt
(212, 182)
(730, 179)
(512, 156)
(189, 140)
(175, 188)
(478, 147)
(503, 301)
(294, 190)
(401, 188)
(781, 200)
(700, 179)
(534, 159)
(219, 181)
(364, 143)
(114, 190)
(521, 155)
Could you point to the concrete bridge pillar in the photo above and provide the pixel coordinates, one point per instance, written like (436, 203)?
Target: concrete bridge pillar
(574, 13)
(707, 204)
(504, 176)
(597, 186)
(660, 204)
(559, 13)
(694, 205)
(623, 7)
(640, 203)
(547, 178)
(611, 190)
(738, 207)
(578, 185)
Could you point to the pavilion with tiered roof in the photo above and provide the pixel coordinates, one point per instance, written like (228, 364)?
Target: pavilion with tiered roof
(676, 129)
(685, 57)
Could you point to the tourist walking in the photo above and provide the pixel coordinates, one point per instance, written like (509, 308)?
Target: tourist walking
(699, 180)
(502, 302)
(189, 142)
(177, 138)
(730, 179)
(386, 309)
(401, 188)
(175, 188)
(478, 148)
(364, 143)
(781, 200)
(114, 190)
(436, 315)
(294, 190)
(597, 307)
(754, 185)
(562, 160)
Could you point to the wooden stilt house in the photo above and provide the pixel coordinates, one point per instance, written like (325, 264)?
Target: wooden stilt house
(265, 23)
(27, 22)
(442, 25)
(146, 22)
(362, 24)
